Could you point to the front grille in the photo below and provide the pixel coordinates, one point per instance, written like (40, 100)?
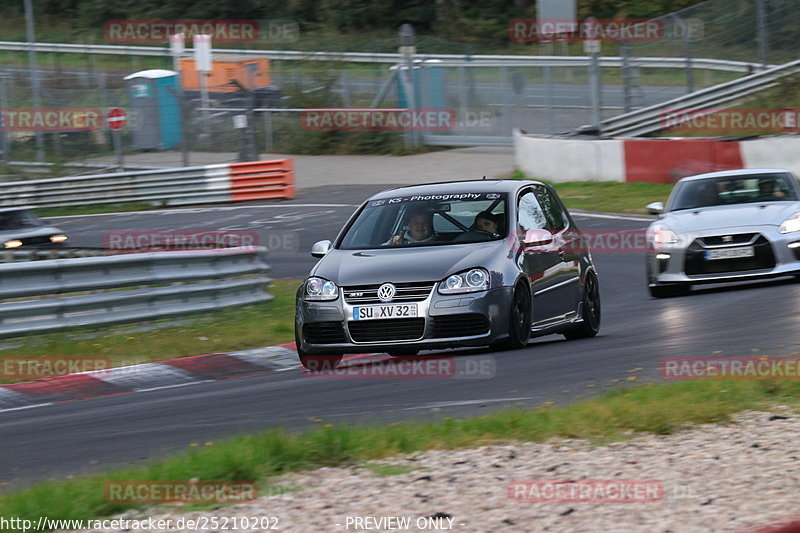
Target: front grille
(399, 329)
(719, 240)
(696, 263)
(406, 292)
(32, 241)
(465, 325)
(324, 333)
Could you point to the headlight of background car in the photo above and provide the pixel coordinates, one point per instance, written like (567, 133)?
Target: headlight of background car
(58, 238)
(320, 289)
(660, 235)
(13, 243)
(792, 225)
(476, 279)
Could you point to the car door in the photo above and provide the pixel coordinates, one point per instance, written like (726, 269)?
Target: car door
(541, 264)
(567, 241)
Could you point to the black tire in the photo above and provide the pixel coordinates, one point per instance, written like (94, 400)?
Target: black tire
(315, 362)
(590, 310)
(669, 291)
(519, 319)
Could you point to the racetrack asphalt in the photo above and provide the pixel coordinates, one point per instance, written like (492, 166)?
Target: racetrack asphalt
(637, 332)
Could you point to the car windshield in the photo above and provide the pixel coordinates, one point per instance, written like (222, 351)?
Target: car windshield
(728, 190)
(428, 220)
(10, 220)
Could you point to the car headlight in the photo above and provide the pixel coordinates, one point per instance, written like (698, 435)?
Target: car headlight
(321, 289)
(792, 225)
(474, 280)
(58, 238)
(13, 244)
(660, 235)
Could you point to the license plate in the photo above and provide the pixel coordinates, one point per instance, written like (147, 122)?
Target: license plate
(375, 312)
(730, 253)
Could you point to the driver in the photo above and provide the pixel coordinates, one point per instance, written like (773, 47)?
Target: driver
(419, 230)
(767, 189)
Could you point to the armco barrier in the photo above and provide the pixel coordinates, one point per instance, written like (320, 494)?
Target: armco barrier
(662, 160)
(127, 288)
(172, 186)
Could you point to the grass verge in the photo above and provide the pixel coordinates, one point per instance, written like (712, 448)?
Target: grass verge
(252, 326)
(608, 196)
(650, 408)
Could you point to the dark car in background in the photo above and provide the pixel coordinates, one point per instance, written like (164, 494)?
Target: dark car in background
(20, 227)
(472, 263)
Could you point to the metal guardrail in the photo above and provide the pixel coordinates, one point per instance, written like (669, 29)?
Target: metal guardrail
(649, 119)
(226, 182)
(117, 289)
(363, 57)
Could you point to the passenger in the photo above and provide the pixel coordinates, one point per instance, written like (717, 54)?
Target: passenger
(488, 222)
(767, 190)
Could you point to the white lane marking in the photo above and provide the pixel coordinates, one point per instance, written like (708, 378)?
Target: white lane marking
(25, 407)
(175, 385)
(579, 213)
(204, 210)
(470, 402)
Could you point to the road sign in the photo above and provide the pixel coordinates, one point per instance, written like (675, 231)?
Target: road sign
(202, 52)
(116, 119)
(176, 44)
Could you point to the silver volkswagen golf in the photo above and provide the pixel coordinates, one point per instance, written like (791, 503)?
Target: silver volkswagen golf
(472, 263)
(725, 226)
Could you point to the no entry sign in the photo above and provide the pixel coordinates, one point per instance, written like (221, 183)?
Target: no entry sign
(116, 119)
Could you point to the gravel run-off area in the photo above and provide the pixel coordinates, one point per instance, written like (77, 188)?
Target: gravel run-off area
(730, 477)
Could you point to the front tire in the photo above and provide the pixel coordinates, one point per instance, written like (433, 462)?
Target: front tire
(519, 320)
(590, 310)
(315, 362)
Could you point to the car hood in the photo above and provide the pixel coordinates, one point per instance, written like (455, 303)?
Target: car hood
(399, 265)
(730, 216)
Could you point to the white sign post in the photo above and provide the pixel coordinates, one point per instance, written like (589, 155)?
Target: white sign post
(202, 64)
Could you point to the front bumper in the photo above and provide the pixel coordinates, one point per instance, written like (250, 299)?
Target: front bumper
(471, 319)
(777, 254)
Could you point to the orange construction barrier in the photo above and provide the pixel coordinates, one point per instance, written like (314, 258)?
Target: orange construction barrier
(261, 180)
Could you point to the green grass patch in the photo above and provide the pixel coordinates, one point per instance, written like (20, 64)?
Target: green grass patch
(240, 328)
(608, 196)
(384, 470)
(94, 209)
(617, 415)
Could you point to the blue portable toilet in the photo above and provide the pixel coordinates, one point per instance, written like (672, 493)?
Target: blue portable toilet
(428, 84)
(155, 109)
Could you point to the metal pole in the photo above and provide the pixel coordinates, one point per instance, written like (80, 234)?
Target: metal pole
(205, 103)
(687, 52)
(594, 73)
(34, 71)
(626, 76)
(761, 32)
(118, 150)
(548, 98)
(252, 142)
(4, 104)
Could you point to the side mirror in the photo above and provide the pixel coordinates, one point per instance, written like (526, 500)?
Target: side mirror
(537, 237)
(656, 208)
(321, 248)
